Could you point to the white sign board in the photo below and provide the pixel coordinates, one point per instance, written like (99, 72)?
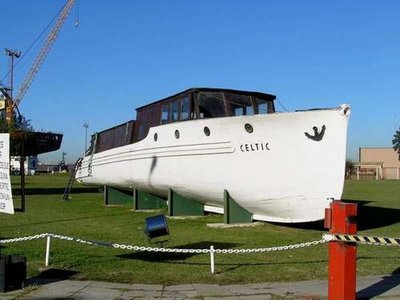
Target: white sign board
(6, 201)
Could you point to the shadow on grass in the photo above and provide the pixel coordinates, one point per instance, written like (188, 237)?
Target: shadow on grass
(166, 257)
(54, 191)
(371, 217)
(51, 275)
(235, 266)
(317, 225)
(227, 267)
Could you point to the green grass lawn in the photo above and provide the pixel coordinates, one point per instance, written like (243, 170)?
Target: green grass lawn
(86, 217)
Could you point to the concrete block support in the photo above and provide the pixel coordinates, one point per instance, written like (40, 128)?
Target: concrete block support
(234, 213)
(181, 206)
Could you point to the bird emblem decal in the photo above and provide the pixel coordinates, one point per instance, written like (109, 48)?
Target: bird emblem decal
(317, 135)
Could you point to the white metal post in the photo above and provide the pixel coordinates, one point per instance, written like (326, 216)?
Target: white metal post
(47, 251)
(358, 172)
(212, 260)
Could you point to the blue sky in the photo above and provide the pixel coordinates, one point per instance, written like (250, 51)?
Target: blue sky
(125, 54)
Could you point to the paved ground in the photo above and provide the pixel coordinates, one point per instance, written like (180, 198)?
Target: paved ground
(371, 287)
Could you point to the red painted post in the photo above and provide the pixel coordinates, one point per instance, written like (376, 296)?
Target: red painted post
(342, 255)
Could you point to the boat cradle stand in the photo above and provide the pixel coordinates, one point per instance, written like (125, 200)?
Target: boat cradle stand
(139, 199)
(182, 206)
(177, 204)
(234, 213)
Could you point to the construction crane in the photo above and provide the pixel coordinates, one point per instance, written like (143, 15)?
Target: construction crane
(11, 103)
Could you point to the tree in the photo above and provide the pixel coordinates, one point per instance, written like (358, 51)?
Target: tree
(349, 168)
(396, 142)
(18, 127)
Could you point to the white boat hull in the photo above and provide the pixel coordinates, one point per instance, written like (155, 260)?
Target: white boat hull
(276, 172)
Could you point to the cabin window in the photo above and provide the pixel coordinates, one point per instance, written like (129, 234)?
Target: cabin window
(165, 114)
(185, 108)
(211, 105)
(240, 105)
(264, 106)
(261, 106)
(174, 111)
(143, 129)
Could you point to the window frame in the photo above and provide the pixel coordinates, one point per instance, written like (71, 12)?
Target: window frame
(168, 120)
(171, 112)
(188, 99)
(169, 106)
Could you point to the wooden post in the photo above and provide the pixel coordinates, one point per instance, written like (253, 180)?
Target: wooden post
(342, 255)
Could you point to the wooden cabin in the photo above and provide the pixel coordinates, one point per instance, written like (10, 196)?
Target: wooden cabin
(194, 103)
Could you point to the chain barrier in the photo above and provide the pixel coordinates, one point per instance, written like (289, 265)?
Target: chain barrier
(22, 239)
(368, 240)
(165, 250)
(223, 251)
(211, 251)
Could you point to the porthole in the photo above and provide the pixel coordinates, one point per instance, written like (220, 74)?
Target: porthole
(207, 131)
(155, 137)
(248, 128)
(177, 134)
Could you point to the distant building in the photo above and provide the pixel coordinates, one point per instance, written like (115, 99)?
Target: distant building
(378, 163)
(30, 165)
(54, 168)
(46, 168)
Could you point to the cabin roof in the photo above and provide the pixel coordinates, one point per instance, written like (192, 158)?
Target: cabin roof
(115, 126)
(205, 90)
